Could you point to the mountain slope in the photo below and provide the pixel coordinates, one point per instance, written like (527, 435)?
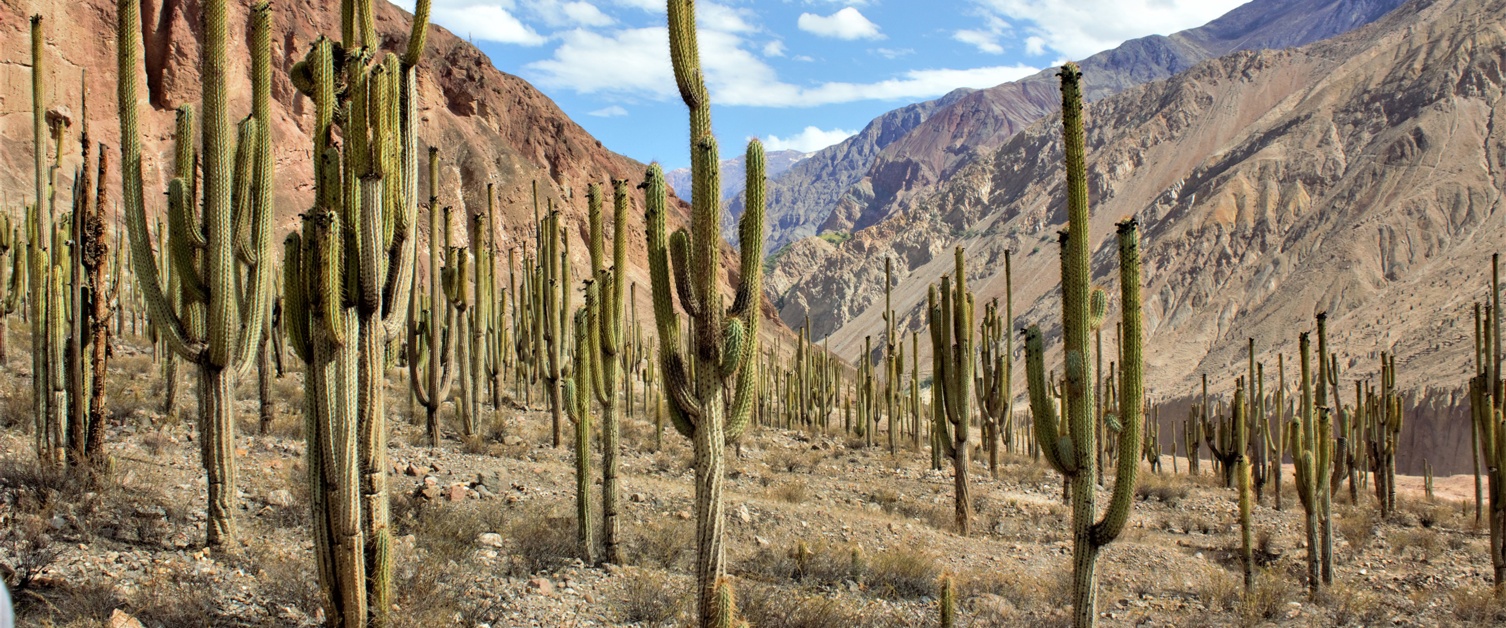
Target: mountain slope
(1360, 176)
(956, 131)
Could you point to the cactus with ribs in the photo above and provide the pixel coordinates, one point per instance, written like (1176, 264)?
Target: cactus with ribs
(709, 380)
(223, 262)
(1073, 455)
(347, 278)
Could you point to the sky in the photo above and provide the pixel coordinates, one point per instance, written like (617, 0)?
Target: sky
(798, 74)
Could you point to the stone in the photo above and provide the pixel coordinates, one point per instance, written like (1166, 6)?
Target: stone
(282, 498)
(542, 585)
(455, 493)
(489, 539)
(122, 619)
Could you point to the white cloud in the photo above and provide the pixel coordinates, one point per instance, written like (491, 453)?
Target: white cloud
(1080, 28)
(631, 62)
(847, 24)
(774, 49)
(891, 53)
(985, 42)
(491, 20)
(614, 111)
(1035, 46)
(810, 140)
(557, 13)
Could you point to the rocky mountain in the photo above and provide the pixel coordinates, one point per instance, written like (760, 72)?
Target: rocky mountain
(735, 174)
(492, 127)
(853, 185)
(800, 199)
(1360, 176)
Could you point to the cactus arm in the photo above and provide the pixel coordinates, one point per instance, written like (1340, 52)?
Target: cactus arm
(1131, 388)
(294, 296)
(419, 36)
(1042, 408)
(169, 326)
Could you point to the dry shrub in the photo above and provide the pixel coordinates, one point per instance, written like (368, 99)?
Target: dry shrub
(1357, 524)
(1352, 603)
(27, 551)
(1165, 488)
(1478, 605)
(15, 409)
(178, 598)
(663, 544)
(793, 492)
(1424, 540)
(540, 540)
(1029, 590)
(1273, 590)
(425, 594)
(773, 607)
(651, 599)
(903, 573)
(1218, 589)
(445, 532)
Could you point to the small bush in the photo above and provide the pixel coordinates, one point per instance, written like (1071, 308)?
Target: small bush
(541, 542)
(1273, 590)
(660, 544)
(903, 573)
(791, 492)
(649, 598)
(1477, 605)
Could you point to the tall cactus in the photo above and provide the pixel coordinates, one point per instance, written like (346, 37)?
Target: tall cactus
(1486, 411)
(607, 340)
(48, 430)
(1312, 453)
(1073, 455)
(576, 391)
(431, 337)
(711, 380)
(347, 278)
(951, 321)
(235, 233)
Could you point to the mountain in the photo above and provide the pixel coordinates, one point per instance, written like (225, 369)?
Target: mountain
(491, 127)
(1361, 176)
(852, 185)
(735, 173)
(799, 200)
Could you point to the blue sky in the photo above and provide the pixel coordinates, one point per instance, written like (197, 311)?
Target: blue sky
(799, 74)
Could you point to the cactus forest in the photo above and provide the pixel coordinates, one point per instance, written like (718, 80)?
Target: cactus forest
(497, 375)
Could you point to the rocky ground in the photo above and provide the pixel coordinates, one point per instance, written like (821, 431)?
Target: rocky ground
(485, 535)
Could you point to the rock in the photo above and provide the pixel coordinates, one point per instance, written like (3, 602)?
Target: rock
(122, 619)
(636, 498)
(412, 471)
(489, 539)
(683, 515)
(743, 515)
(281, 498)
(455, 493)
(542, 585)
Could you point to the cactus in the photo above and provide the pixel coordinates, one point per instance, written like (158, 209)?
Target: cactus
(235, 233)
(1073, 455)
(1383, 417)
(711, 381)
(1485, 390)
(1312, 453)
(947, 601)
(431, 337)
(951, 319)
(1242, 474)
(606, 339)
(995, 390)
(1277, 446)
(1192, 437)
(577, 384)
(347, 278)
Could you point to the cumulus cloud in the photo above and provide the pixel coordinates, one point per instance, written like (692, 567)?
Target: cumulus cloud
(1080, 28)
(774, 49)
(983, 41)
(810, 140)
(485, 20)
(614, 111)
(556, 13)
(847, 24)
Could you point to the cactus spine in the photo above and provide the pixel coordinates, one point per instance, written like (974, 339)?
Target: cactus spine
(947, 601)
(576, 392)
(711, 383)
(347, 278)
(235, 232)
(1073, 455)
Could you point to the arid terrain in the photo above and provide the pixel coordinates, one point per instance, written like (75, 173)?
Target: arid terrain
(486, 534)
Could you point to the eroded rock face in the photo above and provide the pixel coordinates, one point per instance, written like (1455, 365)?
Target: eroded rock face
(1361, 176)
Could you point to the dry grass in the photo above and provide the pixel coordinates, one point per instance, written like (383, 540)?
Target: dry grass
(660, 544)
(1274, 589)
(792, 492)
(1165, 488)
(651, 599)
(1478, 605)
(1357, 524)
(1352, 604)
